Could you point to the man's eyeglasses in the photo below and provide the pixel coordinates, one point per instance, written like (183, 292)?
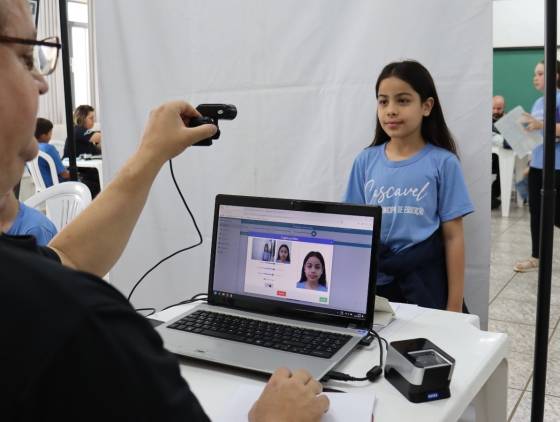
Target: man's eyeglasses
(45, 52)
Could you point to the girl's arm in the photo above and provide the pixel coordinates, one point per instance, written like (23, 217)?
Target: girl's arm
(454, 242)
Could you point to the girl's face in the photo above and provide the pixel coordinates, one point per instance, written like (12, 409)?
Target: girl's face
(400, 110)
(538, 79)
(313, 269)
(89, 120)
(283, 254)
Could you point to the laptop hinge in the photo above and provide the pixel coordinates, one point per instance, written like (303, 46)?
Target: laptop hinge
(352, 326)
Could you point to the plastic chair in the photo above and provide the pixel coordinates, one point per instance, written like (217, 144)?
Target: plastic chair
(63, 202)
(35, 171)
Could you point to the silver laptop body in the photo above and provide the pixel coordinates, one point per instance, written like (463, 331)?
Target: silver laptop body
(251, 277)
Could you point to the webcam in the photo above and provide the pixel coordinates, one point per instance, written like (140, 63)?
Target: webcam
(211, 113)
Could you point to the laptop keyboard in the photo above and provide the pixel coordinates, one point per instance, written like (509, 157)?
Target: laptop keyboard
(317, 343)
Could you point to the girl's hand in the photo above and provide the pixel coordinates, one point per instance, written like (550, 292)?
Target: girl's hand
(530, 123)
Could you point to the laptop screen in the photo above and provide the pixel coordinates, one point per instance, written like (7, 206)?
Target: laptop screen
(314, 261)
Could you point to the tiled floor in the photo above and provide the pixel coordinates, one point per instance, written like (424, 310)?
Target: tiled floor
(513, 309)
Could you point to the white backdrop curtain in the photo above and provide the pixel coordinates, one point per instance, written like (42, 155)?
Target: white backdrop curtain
(302, 75)
(51, 105)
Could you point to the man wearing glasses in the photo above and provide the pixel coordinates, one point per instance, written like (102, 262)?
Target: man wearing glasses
(72, 346)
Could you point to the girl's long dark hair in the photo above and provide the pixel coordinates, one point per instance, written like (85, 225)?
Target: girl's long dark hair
(323, 278)
(434, 129)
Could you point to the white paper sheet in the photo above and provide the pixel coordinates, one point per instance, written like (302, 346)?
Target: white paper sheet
(522, 141)
(354, 406)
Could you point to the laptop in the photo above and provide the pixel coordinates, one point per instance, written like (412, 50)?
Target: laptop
(292, 284)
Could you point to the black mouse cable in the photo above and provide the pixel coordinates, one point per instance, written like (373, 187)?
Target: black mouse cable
(372, 375)
(200, 297)
(198, 243)
(152, 311)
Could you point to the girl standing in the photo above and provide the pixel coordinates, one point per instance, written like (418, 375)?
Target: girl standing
(411, 169)
(534, 121)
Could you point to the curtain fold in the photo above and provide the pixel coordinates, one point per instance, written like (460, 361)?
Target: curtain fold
(51, 105)
(93, 57)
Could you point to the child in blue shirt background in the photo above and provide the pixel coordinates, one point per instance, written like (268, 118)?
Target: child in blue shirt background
(43, 134)
(17, 219)
(412, 171)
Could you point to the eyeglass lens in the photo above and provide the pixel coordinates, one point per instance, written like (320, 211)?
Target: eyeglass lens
(45, 57)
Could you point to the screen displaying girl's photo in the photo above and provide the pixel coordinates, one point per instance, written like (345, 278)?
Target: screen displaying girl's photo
(299, 270)
(263, 249)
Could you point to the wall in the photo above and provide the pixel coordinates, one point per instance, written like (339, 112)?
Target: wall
(513, 76)
(518, 23)
(302, 76)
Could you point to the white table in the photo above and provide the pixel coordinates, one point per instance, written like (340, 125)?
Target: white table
(480, 375)
(509, 162)
(96, 163)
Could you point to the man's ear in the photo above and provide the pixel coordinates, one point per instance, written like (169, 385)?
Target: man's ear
(427, 106)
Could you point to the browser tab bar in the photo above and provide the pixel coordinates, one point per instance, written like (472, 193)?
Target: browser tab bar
(298, 217)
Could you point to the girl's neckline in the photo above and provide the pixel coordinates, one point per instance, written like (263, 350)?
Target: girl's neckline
(401, 163)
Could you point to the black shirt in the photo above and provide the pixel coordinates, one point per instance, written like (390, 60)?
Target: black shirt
(83, 145)
(72, 348)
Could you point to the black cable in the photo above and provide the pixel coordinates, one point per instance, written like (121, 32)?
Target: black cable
(195, 298)
(180, 250)
(372, 375)
(378, 337)
(147, 309)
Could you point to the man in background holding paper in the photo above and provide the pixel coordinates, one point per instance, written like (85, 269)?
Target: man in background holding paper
(498, 106)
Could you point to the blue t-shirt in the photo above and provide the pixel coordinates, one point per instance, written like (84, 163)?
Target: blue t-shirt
(44, 166)
(320, 287)
(417, 194)
(29, 221)
(538, 113)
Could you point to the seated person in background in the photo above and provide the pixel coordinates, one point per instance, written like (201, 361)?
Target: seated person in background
(313, 273)
(17, 219)
(87, 141)
(43, 134)
(498, 106)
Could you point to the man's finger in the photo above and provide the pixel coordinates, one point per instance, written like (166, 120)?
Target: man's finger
(201, 132)
(302, 375)
(323, 403)
(315, 386)
(183, 108)
(281, 373)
